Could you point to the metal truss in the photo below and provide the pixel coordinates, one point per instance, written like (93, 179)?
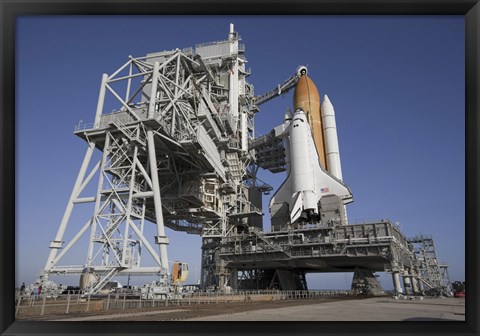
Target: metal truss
(173, 128)
(431, 272)
(376, 246)
(254, 279)
(127, 194)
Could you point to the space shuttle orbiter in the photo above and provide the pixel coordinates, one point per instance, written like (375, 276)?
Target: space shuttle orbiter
(313, 161)
(306, 182)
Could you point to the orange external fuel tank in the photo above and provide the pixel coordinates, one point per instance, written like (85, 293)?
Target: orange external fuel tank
(307, 98)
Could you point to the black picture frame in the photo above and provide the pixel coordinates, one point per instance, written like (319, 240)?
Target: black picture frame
(10, 10)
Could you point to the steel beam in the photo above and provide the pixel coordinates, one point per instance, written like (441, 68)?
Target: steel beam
(152, 157)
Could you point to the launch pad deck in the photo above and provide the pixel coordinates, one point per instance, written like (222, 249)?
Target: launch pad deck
(370, 246)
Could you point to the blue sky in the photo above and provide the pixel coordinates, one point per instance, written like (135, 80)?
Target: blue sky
(396, 82)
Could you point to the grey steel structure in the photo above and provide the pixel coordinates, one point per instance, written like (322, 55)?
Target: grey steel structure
(281, 258)
(174, 153)
(175, 132)
(431, 272)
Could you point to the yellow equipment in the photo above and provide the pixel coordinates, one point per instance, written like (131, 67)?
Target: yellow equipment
(179, 272)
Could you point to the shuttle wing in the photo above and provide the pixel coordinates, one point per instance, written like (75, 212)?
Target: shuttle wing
(326, 183)
(294, 200)
(284, 193)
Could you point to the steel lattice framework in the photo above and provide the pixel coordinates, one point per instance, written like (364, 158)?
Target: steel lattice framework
(174, 153)
(427, 265)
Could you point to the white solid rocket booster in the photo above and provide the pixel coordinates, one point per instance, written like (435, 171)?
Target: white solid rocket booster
(331, 138)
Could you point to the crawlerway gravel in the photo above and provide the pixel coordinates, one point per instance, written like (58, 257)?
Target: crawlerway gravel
(174, 313)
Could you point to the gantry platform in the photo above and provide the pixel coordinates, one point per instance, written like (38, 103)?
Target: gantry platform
(308, 248)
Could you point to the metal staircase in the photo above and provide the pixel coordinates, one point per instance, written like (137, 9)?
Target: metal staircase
(103, 280)
(132, 133)
(272, 247)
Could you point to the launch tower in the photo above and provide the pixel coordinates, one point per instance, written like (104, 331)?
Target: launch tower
(174, 143)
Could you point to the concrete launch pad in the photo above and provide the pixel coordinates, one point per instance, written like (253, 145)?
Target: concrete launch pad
(352, 308)
(371, 309)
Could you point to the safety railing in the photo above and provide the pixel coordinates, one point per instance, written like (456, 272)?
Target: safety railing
(41, 305)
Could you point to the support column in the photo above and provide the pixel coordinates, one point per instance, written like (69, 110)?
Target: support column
(101, 100)
(56, 244)
(222, 274)
(396, 282)
(414, 282)
(234, 279)
(160, 239)
(153, 91)
(129, 207)
(407, 283)
(98, 198)
(421, 287)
